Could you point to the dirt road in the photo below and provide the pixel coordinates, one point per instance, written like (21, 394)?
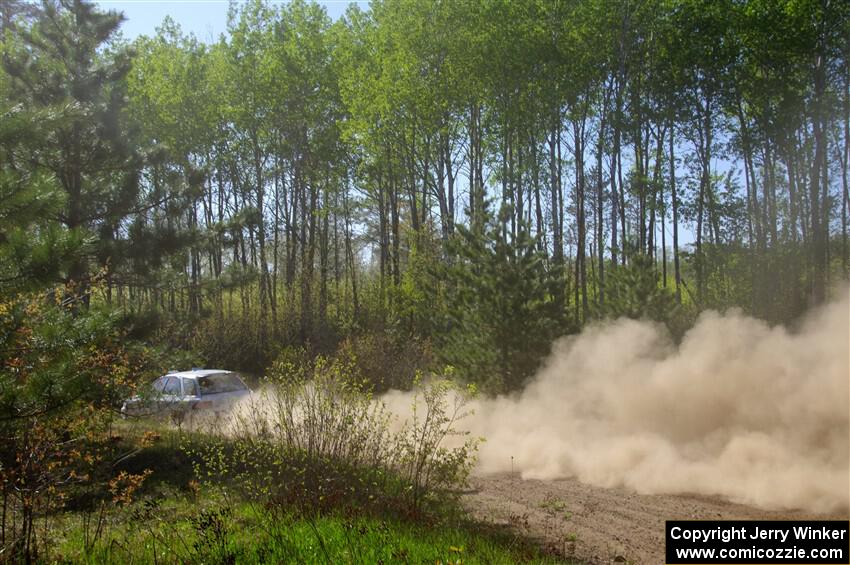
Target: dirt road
(597, 525)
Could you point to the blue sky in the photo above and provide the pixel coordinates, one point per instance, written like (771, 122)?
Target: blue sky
(207, 19)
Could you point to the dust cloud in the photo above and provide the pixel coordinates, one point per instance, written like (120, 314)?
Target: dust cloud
(757, 414)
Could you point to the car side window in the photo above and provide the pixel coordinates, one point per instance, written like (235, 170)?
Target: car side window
(220, 382)
(172, 386)
(159, 384)
(189, 388)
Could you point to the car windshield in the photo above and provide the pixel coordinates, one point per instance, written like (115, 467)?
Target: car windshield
(220, 382)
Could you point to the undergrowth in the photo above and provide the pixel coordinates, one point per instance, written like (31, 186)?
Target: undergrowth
(212, 530)
(311, 470)
(321, 442)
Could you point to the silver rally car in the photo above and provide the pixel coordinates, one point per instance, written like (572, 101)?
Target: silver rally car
(184, 394)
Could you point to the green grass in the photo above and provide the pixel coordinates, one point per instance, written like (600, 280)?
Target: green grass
(181, 530)
(175, 520)
(556, 507)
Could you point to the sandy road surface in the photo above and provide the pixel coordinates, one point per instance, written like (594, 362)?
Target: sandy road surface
(598, 525)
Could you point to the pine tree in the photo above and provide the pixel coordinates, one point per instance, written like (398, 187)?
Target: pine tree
(505, 313)
(63, 70)
(633, 292)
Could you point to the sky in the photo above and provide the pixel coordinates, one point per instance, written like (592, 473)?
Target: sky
(207, 19)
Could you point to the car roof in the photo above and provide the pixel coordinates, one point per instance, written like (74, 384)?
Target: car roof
(195, 373)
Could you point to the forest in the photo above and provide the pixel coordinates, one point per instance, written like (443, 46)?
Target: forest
(423, 186)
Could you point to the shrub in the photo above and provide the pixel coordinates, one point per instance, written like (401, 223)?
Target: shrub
(233, 341)
(63, 371)
(632, 291)
(424, 461)
(326, 444)
(390, 363)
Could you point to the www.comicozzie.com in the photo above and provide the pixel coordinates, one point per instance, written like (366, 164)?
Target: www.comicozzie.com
(764, 542)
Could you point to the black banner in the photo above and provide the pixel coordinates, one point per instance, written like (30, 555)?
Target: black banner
(741, 542)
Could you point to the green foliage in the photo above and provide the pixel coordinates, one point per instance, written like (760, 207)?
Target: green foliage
(419, 294)
(503, 306)
(388, 361)
(65, 73)
(633, 291)
(54, 358)
(34, 251)
(193, 531)
(298, 187)
(61, 373)
(236, 341)
(423, 459)
(325, 444)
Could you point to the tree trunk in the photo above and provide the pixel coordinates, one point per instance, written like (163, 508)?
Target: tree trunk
(817, 224)
(845, 200)
(600, 211)
(675, 203)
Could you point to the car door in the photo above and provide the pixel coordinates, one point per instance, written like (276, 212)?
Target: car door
(171, 394)
(222, 389)
(158, 385)
(152, 401)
